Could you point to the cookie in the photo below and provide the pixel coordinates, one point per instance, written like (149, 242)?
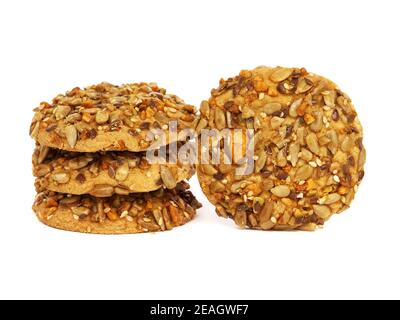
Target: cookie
(143, 212)
(105, 117)
(102, 174)
(308, 149)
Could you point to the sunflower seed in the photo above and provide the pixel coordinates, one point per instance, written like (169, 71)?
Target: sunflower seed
(102, 190)
(229, 119)
(247, 112)
(304, 85)
(79, 162)
(208, 169)
(201, 125)
(115, 116)
(281, 191)
(281, 158)
(276, 122)
(128, 122)
(240, 218)
(167, 177)
(79, 211)
(304, 172)
(61, 177)
(205, 109)
(260, 162)
(225, 168)
(346, 144)
(333, 144)
(41, 170)
(322, 211)
(92, 110)
(68, 201)
(75, 102)
(281, 74)
(312, 142)
(219, 119)
(94, 169)
(159, 218)
(71, 134)
(60, 112)
(300, 135)
(43, 152)
(122, 172)
(35, 130)
(236, 186)
(258, 203)
(265, 216)
(329, 98)
(306, 155)
(121, 191)
(111, 172)
(74, 117)
(216, 186)
(174, 114)
(294, 153)
(293, 107)
(361, 158)
(316, 126)
(331, 198)
(102, 116)
(270, 108)
(220, 210)
(324, 140)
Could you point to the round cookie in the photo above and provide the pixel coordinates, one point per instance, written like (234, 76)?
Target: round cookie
(102, 174)
(308, 151)
(144, 212)
(105, 117)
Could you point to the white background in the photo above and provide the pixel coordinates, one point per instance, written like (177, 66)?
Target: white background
(48, 47)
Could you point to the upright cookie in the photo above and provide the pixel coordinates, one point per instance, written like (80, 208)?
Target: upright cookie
(308, 150)
(102, 174)
(142, 212)
(105, 117)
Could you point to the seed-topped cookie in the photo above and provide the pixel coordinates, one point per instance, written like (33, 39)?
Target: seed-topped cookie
(308, 151)
(143, 212)
(106, 117)
(102, 174)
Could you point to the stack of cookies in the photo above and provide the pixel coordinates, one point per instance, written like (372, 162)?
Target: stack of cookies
(91, 165)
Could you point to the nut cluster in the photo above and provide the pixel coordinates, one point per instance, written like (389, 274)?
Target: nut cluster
(308, 150)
